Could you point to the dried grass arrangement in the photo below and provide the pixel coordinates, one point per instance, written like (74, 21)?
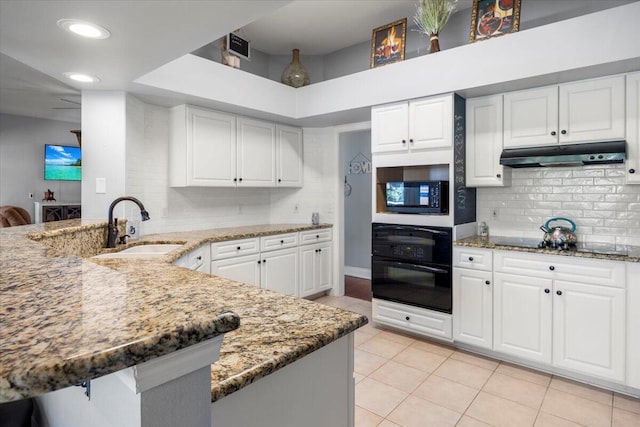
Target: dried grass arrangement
(431, 17)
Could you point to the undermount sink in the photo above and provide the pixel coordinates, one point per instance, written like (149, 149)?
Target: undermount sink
(142, 251)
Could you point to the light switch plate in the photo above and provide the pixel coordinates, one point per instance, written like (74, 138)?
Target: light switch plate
(101, 185)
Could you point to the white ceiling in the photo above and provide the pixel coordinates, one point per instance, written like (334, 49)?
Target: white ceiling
(147, 34)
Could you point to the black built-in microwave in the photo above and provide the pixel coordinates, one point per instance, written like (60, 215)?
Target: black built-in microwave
(419, 197)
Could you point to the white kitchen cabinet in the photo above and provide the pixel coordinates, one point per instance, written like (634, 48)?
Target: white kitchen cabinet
(473, 307)
(213, 149)
(234, 248)
(585, 111)
(256, 145)
(484, 143)
(279, 271)
(412, 319)
(564, 311)
(244, 269)
(315, 268)
(589, 329)
(419, 124)
(289, 170)
(522, 310)
(633, 129)
(198, 259)
(202, 149)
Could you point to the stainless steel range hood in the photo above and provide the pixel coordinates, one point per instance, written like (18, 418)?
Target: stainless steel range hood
(565, 155)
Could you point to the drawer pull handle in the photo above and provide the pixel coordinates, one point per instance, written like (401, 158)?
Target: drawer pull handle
(238, 248)
(411, 140)
(498, 175)
(632, 171)
(470, 258)
(551, 267)
(553, 133)
(486, 282)
(282, 242)
(317, 236)
(264, 261)
(235, 179)
(564, 132)
(558, 292)
(259, 262)
(546, 291)
(199, 258)
(404, 141)
(279, 179)
(407, 318)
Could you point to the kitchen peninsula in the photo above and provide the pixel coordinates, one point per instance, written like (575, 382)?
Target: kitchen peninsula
(68, 318)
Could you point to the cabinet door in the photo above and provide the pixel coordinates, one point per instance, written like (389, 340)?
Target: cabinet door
(308, 261)
(473, 307)
(256, 153)
(484, 143)
(389, 128)
(211, 148)
(522, 316)
(431, 123)
(531, 117)
(289, 165)
(633, 129)
(592, 110)
(280, 271)
(589, 329)
(243, 269)
(324, 267)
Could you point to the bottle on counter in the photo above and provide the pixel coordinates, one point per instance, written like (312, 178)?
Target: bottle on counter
(483, 230)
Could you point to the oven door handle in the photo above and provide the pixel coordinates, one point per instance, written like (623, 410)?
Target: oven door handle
(395, 227)
(417, 266)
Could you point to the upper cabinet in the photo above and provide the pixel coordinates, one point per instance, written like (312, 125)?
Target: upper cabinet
(484, 143)
(633, 128)
(585, 111)
(419, 124)
(214, 149)
(288, 156)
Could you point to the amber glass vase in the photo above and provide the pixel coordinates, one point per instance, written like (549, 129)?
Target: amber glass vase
(295, 74)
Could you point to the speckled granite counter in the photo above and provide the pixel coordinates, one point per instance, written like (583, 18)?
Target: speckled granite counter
(630, 253)
(66, 319)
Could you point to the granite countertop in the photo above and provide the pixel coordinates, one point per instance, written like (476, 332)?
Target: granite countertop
(597, 251)
(66, 318)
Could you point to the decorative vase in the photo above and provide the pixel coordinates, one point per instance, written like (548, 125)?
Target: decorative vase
(295, 74)
(434, 45)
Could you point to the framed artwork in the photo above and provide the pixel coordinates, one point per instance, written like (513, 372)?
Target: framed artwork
(491, 18)
(388, 43)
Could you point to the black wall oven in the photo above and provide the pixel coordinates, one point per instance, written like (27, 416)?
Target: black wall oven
(412, 265)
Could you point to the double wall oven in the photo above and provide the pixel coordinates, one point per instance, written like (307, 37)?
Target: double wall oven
(412, 265)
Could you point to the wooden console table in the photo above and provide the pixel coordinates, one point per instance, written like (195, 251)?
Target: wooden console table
(57, 211)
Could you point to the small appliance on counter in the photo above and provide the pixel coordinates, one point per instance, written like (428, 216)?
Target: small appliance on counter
(558, 237)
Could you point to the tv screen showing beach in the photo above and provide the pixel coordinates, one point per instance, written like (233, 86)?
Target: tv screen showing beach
(62, 163)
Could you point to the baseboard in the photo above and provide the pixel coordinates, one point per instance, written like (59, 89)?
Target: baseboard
(363, 273)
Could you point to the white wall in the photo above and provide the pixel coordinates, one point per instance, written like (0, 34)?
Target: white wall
(595, 197)
(22, 141)
(357, 206)
(104, 134)
(174, 209)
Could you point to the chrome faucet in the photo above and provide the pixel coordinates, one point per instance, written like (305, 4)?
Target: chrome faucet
(112, 232)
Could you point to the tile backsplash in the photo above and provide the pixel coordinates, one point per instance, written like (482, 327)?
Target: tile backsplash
(595, 197)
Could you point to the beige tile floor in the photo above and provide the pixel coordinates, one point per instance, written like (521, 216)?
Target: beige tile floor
(406, 381)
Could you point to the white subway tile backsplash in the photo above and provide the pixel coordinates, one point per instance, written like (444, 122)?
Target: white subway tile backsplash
(596, 197)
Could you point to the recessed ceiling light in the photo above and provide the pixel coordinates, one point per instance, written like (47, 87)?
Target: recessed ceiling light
(81, 77)
(84, 29)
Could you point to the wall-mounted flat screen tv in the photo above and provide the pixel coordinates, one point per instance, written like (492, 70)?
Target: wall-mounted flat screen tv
(62, 163)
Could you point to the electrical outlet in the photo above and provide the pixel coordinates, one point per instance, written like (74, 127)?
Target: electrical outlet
(494, 213)
(296, 208)
(239, 209)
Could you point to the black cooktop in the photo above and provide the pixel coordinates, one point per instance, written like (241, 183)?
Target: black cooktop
(586, 247)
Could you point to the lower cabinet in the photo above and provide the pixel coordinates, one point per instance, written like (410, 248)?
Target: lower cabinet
(279, 271)
(412, 319)
(243, 269)
(473, 307)
(315, 268)
(570, 319)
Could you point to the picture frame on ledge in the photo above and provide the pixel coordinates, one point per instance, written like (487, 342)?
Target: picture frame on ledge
(493, 18)
(388, 43)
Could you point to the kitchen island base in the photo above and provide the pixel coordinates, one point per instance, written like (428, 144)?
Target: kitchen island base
(167, 391)
(315, 391)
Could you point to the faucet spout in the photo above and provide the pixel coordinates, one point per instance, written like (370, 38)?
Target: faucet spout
(112, 230)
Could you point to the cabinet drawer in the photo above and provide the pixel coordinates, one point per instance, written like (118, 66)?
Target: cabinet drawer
(315, 236)
(279, 241)
(232, 248)
(477, 259)
(413, 319)
(560, 267)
